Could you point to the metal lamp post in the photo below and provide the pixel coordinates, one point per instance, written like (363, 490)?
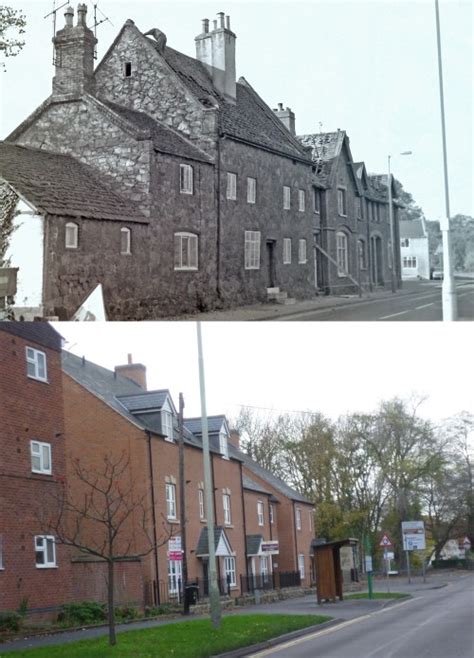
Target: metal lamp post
(448, 290)
(392, 225)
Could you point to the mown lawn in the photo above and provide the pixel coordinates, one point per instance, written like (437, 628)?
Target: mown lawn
(377, 595)
(191, 639)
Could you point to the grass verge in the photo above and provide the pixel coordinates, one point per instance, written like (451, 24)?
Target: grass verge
(377, 595)
(190, 639)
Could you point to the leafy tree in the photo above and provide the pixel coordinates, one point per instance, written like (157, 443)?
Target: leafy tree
(12, 26)
(410, 208)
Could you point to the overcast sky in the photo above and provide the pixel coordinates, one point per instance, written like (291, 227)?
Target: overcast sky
(368, 67)
(333, 368)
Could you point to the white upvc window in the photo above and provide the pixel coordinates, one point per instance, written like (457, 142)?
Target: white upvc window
(71, 236)
(36, 364)
(286, 251)
(125, 241)
(41, 457)
(342, 254)
(185, 251)
(167, 424)
(301, 201)
(186, 179)
(298, 518)
(251, 190)
(175, 576)
(45, 551)
(301, 565)
(229, 570)
(224, 445)
(252, 250)
(227, 510)
(231, 186)
(171, 501)
(202, 514)
(286, 197)
(409, 261)
(272, 514)
(342, 201)
(260, 513)
(302, 258)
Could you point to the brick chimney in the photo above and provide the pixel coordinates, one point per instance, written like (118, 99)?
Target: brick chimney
(136, 372)
(216, 50)
(74, 55)
(234, 438)
(287, 117)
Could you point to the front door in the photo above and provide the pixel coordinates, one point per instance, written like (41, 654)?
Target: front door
(271, 263)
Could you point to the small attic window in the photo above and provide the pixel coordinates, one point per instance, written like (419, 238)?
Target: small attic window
(128, 69)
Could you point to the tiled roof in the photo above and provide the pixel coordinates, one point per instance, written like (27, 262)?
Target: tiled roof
(272, 480)
(144, 401)
(412, 229)
(252, 544)
(378, 187)
(325, 149)
(41, 333)
(202, 547)
(60, 185)
(164, 139)
(214, 424)
(251, 485)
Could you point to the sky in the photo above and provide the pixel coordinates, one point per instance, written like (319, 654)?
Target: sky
(365, 66)
(332, 368)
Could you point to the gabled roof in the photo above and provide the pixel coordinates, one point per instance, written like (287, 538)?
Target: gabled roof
(221, 543)
(60, 185)
(214, 424)
(326, 149)
(41, 333)
(144, 401)
(252, 544)
(265, 475)
(412, 229)
(251, 485)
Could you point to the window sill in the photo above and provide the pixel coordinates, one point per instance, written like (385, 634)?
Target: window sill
(203, 520)
(186, 269)
(228, 525)
(173, 521)
(342, 275)
(38, 379)
(42, 472)
(125, 253)
(302, 262)
(46, 566)
(189, 193)
(72, 248)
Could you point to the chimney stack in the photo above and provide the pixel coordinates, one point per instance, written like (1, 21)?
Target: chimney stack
(74, 55)
(216, 50)
(287, 117)
(136, 372)
(234, 438)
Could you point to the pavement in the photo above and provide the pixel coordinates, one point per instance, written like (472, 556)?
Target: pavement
(341, 611)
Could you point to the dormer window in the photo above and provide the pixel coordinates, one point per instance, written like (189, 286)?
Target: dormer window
(223, 445)
(128, 69)
(167, 425)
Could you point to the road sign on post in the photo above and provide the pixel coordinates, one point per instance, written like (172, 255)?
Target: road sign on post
(386, 542)
(413, 535)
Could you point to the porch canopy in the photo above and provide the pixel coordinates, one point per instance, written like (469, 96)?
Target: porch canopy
(327, 558)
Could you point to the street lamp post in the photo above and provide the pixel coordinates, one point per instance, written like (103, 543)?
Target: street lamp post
(448, 290)
(392, 223)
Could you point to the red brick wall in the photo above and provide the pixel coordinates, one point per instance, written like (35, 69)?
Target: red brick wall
(89, 582)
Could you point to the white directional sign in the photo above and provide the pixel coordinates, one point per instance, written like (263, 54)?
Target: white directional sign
(413, 535)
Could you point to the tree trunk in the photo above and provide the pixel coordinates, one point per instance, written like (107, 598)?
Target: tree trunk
(111, 596)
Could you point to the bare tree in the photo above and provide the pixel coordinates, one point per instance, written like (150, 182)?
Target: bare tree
(99, 513)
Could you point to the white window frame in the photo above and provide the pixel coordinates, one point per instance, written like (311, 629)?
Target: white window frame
(170, 501)
(41, 544)
(186, 179)
(202, 512)
(227, 509)
(251, 190)
(301, 565)
(342, 201)
(125, 241)
(175, 574)
(167, 424)
(188, 244)
(224, 445)
(38, 361)
(229, 569)
(286, 251)
(260, 513)
(298, 518)
(231, 192)
(252, 250)
(286, 197)
(316, 200)
(71, 235)
(301, 201)
(272, 514)
(359, 209)
(342, 254)
(302, 251)
(42, 452)
(409, 262)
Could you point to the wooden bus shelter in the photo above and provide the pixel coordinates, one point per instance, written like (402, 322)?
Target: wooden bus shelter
(327, 559)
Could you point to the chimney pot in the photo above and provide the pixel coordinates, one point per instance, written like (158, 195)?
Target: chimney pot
(216, 50)
(205, 25)
(227, 22)
(280, 107)
(221, 19)
(69, 16)
(81, 15)
(129, 358)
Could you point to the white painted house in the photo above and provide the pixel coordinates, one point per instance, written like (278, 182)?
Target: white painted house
(414, 249)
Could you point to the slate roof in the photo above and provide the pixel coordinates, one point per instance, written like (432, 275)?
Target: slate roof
(60, 185)
(144, 400)
(214, 424)
(252, 544)
(273, 480)
(378, 186)
(202, 547)
(412, 229)
(164, 139)
(251, 485)
(41, 333)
